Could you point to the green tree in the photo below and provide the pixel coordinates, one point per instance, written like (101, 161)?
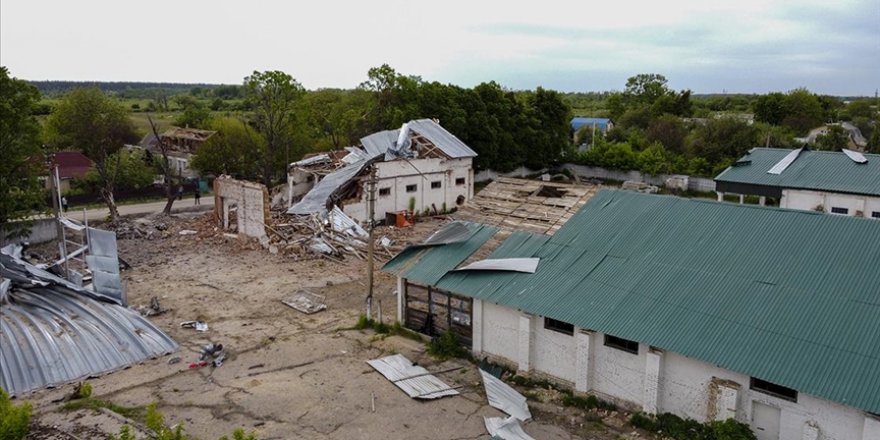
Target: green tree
(835, 139)
(804, 111)
(233, 150)
(272, 95)
(133, 168)
(88, 121)
(194, 117)
(338, 117)
(20, 189)
(874, 142)
(859, 108)
(669, 131)
(722, 140)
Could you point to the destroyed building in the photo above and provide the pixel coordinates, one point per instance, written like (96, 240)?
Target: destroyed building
(182, 144)
(702, 309)
(421, 167)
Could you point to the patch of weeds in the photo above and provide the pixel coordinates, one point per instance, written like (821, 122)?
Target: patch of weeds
(134, 412)
(673, 426)
(531, 382)
(155, 422)
(83, 390)
(447, 346)
(14, 419)
(531, 395)
(587, 403)
(381, 328)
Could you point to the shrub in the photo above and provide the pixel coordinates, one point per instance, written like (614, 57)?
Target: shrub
(14, 419)
(446, 346)
(689, 429)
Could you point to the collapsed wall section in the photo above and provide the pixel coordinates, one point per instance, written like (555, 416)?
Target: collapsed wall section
(241, 204)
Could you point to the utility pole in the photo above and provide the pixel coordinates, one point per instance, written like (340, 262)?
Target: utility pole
(371, 210)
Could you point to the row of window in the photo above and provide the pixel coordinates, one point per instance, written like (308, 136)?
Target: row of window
(845, 211)
(414, 187)
(633, 347)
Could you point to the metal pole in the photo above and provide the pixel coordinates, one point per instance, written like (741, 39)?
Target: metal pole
(55, 184)
(371, 210)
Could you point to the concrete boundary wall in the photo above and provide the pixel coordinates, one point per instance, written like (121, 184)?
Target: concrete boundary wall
(251, 201)
(41, 231)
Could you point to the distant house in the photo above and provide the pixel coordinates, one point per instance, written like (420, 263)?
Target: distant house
(602, 125)
(184, 143)
(71, 165)
(856, 139)
(420, 167)
(706, 310)
(842, 182)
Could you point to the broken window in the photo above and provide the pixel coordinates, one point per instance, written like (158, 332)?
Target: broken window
(622, 344)
(411, 188)
(435, 185)
(772, 389)
(459, 180)
(384, 191)
(836, 210)
(559, 326)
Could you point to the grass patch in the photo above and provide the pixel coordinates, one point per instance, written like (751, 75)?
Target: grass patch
(381, 328)
(673, 426)
(14, 419)
(447, 346)
(587, 402)
(134, 412)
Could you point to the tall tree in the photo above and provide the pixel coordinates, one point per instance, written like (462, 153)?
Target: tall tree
(231, 151)
(86, 120)
(20, 189)
(272, 96)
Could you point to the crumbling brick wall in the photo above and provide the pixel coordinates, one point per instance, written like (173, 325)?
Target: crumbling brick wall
(251, 201)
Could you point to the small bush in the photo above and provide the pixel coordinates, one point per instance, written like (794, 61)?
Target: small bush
(689, 429)
(588, 402)
(447, 346)
(14, 419)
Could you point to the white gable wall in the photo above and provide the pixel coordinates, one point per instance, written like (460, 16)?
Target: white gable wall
(655, 381)
(806, 200)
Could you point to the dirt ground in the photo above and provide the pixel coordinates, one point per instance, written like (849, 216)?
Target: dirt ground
(287, 375)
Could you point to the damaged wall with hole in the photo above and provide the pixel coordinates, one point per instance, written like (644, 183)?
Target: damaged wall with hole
(241, 206)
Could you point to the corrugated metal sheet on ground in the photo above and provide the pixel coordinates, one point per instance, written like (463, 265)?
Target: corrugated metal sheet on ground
(505, 429)
(428, 264)
(57, 333)
(414, 380)
(502, 396)
(791, 297)
(812, 170)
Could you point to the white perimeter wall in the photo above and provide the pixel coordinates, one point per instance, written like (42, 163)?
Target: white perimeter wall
(809, 200)
(653, 380)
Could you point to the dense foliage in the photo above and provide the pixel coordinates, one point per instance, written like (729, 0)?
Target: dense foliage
(14, 419)
(672, 426)
(21, 164)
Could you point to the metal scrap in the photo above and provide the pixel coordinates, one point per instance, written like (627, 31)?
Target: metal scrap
(415, 381)
(507, 429)
(505, 398)
(306, 302)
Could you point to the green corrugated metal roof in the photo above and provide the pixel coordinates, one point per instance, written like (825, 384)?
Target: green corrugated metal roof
(428, 264)
(812, 170)
(792, 297)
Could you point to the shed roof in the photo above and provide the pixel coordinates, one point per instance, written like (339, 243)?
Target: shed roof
(578, 122)
(788, 296)
(72, 164)
(830, 171)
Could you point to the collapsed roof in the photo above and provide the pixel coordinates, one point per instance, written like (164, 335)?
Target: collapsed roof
(53, 331)
(415, 139)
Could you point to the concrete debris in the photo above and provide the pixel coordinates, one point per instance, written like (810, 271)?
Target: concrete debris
(642, 187)
(306, 302)
(199, 326)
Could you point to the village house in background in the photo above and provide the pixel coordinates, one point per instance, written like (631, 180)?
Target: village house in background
(599, 126)
(421, 167)
(71, 165)
(184, 143)
(854, 135)
(666, 304)
(843, 182)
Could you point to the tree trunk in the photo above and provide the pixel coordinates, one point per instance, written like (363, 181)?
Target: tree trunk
(107, 195)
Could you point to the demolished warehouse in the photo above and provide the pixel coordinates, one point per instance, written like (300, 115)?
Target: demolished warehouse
(421, 167)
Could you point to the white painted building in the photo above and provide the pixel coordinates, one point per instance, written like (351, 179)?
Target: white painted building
(843, 183)
(705, 310)
(431, 172)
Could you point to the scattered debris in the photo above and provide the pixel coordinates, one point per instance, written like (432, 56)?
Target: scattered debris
(153, 309)
(187, 232)
(306, 302)
(504, 397)
(200, 326)
(174, 360)
(506, 429)
(642, 187)
(414, 380)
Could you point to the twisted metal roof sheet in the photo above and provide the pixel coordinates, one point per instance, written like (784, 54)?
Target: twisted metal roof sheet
(831, 171)
(379, 143)
(53, 333)
(788, 296)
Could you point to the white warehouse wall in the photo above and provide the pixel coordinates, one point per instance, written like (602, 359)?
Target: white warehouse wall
(681, 385)
(809, 200)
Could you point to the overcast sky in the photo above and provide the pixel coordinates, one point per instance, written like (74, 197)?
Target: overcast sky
(828, 46)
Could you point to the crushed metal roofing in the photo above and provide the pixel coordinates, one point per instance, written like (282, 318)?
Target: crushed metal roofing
(316, 199)
(812, 170)
(505, 428)
(787, 296)
(504, 397)
(381, 142)
(526, 265)
(414, 380)
(427, 264)
(53, 332)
